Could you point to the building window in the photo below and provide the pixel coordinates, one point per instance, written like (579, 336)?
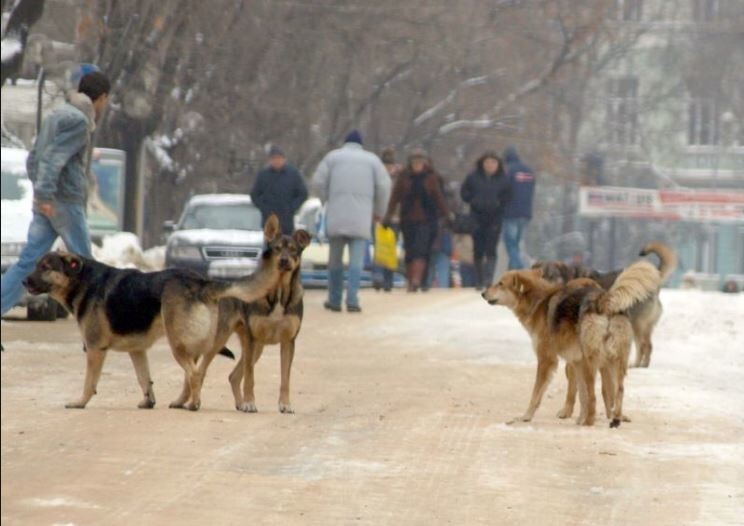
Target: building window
(622, 111)
(628, 10)
(704, 123)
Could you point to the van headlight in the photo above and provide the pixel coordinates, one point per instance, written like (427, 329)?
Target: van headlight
(185, 252)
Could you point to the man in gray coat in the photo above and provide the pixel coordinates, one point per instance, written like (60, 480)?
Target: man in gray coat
(355, 187)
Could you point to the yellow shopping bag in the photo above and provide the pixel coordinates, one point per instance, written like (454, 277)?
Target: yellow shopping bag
(386, 252)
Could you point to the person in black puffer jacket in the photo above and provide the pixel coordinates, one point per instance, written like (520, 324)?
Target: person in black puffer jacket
(279, 189)
(487, 191)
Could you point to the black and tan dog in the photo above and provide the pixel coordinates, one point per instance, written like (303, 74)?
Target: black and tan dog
(121, 309)
(581, 323)
(644, 316)
(198, 330)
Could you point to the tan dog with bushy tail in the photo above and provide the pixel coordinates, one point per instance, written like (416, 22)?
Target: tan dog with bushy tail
(581, 323)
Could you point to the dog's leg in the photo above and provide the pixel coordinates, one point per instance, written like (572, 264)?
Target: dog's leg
(568, 407)
(545, 368)
(647, 348)
(587, 370)
(196, 379)
(249, 361)
(142, 368)
(188, 364)
(287, 355)
(608, 388)
(183, 397)
(94, 363)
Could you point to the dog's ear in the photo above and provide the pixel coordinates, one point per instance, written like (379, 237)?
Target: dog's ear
(521, 284)
(73, 263)
(302, 238)
(272, 228)
(537, 272)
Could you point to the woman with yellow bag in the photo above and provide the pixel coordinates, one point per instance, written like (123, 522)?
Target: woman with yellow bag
(385, 239)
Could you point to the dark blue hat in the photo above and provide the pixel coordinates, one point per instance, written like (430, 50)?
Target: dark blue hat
(275, 150)
(354, 136)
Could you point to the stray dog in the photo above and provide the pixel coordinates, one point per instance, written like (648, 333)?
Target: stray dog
(581, 323)
(644, 316)
(198, 329)
(120, 309)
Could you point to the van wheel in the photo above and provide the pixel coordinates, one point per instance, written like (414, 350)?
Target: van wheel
(43, 310)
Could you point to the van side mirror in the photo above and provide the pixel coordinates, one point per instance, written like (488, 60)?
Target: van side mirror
(169, 226)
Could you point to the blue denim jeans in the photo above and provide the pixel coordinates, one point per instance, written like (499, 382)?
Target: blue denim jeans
(357, 248)
(439, 270)
(513, 230)
(69, 223)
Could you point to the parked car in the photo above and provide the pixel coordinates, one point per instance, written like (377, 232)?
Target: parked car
(16, 215)
(218, 236)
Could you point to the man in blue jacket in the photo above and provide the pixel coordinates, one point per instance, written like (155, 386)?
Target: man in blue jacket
(518, 210)
(56, 167)
(280, 190)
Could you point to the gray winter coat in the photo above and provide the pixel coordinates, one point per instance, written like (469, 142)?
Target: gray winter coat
(56, 163)
(355, 186)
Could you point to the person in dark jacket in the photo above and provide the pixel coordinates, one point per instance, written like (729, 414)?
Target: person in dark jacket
(518, 211)
(418, 193)
(279, 189)
(487, 191)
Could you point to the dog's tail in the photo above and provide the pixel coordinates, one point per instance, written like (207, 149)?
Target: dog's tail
(667, 258)
(634, 284)
(227, 353)
(247, 289)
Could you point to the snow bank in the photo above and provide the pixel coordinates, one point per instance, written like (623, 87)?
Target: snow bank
(123, 250)
(16, 215)
(9, 48)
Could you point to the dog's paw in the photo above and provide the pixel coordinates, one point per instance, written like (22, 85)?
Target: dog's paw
(615, 423)
(565, 412)
(75, 405)
(176, 405)
(147, 403)
(286, 409)
(518, 419)
(247, 407)
(625, 418)
(585, 421)
(191, 406)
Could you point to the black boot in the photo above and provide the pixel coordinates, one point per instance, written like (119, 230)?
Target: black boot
(488, 272)
(478, 264)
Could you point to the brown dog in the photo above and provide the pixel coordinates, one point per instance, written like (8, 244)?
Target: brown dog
(645, 315)
(197, 329)
(581, 323)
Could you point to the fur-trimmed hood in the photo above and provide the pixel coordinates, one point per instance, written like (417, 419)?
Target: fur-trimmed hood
(83, 103)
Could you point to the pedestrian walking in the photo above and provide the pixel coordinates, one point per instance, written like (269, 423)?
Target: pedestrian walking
(518, 210)
(418, 194)
(56, 167)
(487, 191)
(355, 187)
(279, 189)
(382, 278)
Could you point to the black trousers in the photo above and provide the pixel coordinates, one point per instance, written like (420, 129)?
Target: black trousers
(485, 240)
